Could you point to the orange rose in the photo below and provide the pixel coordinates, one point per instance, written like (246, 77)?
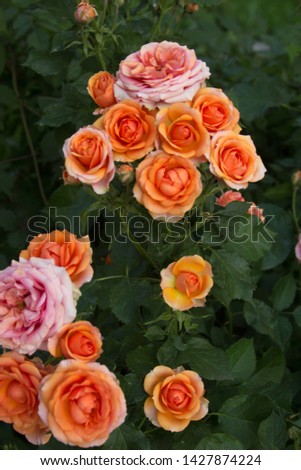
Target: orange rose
(187, 282)
(217, 111)
(81, 403)
(181, 132)
(167, 185)
(19, 383)
(233, 158)
(88, 158)
(101, 89)
(68, 251)
(176, 398)
(130, 129)
(80, 340)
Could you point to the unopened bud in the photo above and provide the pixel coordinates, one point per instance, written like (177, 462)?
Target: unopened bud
(84, 12)
(296, 178)
(192, 8)
(125, 173)
(68, 179)
(255, 210)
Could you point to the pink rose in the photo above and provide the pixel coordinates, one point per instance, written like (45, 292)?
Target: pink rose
(298, 249)
(36, 299)
(229, 196)
(160, 74)
(255, 210)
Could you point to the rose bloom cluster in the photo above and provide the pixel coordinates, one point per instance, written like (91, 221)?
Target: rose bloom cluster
(158, 117)
(157, 123)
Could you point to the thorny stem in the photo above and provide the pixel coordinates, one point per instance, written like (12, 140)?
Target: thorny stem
(27, 133)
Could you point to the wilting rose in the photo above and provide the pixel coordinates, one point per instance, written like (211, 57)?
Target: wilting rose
(176, 398)
(81, 403)
(88, 157)
(72, 253)
(79, 340)
(19, 384)
(160, 74)
(167, 185)
(229, 196)
(36, 299)
(217, 111)
(130, 129)
(186, 282)
(84, 13)
(181, 132)
(101, 89)
(256, 211)
(233, 159)
(298, 249)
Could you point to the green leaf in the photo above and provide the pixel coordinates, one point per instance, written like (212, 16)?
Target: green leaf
(126, 297)
(126, 437)
(266, 321)
(45, 64)
(232, 277)
(272, 433)
(169, 352)
(242, 359)
(297, 316)
(219, 441)
(132, 388)
(284, 292)
(142, 359)
(282, 225)
(270, 368)
(207, 360)
(240, 417)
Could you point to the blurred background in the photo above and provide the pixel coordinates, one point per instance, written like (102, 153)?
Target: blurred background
(253, 50)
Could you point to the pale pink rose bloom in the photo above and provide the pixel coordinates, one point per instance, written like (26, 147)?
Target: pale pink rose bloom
(229, 196)
(298, 249)
(255, 210)
(36, 299)
(89, 158)
(160, 74)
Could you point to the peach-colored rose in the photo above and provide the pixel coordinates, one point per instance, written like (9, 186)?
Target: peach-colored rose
(255, 210)
(176, 398)
(88, 157)
(186, 282)
(81, 403)
(233, 159)
(79, 340)
(167, 185)
(229, 196)
(72, 253)
(19, 384)
(160, 73)
(298, 249)
(130, 129)
(217, 111)
(84, 13)
(181, 132)
(101, 89)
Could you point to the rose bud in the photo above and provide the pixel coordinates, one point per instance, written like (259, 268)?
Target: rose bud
(84, 13)
(125, 173)
(296, 178)
(192, 8)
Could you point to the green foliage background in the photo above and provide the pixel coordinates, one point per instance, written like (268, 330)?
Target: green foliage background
(246, 343)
